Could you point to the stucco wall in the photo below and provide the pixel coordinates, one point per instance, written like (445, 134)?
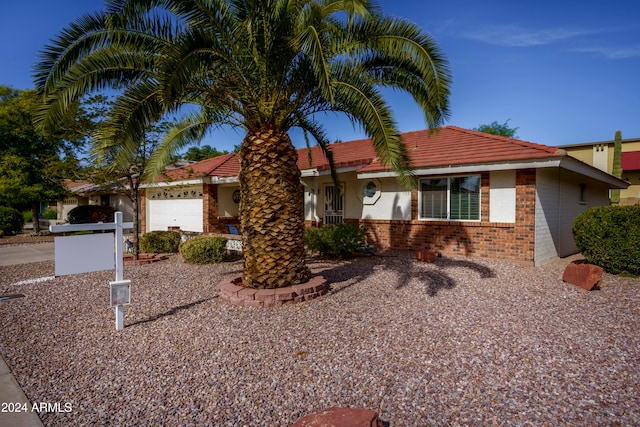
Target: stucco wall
(226, 206)
(122, 203)
(391, 201)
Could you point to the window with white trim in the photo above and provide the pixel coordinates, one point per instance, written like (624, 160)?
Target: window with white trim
(450, 198)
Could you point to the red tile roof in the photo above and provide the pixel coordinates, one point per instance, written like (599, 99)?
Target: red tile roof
(70, 184)
(345, 154)
(447, 146)
(452, 145)
(226, 165)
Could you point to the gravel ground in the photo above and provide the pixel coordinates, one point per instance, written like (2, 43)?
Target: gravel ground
(458, 342)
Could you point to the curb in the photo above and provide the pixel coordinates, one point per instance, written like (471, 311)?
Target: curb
(11, 393)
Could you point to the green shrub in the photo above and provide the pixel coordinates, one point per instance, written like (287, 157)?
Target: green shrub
(27, 215)
(11, 221)
(90, 213)
(336, 240)
(203, 249)
(160, 242)
(609, 237)
(50, 214)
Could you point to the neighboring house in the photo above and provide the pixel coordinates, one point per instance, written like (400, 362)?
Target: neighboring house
(600, 155)
(86, 193)
(478, 194)
(200, 197)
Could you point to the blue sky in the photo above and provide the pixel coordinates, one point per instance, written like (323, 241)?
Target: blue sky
(563, 72)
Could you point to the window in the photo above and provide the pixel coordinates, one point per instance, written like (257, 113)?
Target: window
(370, 189)
(454, 198)
(371, 192)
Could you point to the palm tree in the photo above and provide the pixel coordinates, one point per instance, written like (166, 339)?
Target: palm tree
(264, 66)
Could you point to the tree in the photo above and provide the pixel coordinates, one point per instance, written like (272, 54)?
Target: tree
(617, 166)
(496, 128)
(33, 164)
(195, 154)
(262, 66)
(123, 169)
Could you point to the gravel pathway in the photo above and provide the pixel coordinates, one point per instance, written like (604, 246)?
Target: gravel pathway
(459, 342)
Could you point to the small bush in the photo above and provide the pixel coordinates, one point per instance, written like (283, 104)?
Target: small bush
(609, 237)
(203, 249)
(90, 213)
(50, 214)
(160, 242)
(11, 221)
(27, 215)
(336, 240)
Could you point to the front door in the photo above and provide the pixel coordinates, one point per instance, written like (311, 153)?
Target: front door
(333, 204)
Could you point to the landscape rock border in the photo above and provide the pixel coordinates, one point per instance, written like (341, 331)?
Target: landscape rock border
(231, 290)
(335, 416)
(144, 258)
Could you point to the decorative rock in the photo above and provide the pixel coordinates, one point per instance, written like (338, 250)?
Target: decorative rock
(426, 256)
(340, 417)
(587, 276)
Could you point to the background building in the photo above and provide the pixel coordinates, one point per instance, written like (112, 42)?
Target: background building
(600, 155)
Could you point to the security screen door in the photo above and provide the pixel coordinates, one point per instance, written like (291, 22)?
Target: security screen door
(333, 204)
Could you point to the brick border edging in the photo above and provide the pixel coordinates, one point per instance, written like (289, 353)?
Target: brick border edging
(247, 297)
(144, 259)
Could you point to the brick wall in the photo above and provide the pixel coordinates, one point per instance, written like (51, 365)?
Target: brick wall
(223, 223)
(143, 212)
(483, 239)
(210, 209)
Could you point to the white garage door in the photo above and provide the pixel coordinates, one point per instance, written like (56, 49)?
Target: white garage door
(183, 213)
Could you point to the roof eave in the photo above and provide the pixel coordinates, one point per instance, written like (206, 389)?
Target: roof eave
(177, 182)
(224, 179)
(324, 172)
(575, 165)
(565, 162)
(470, 168)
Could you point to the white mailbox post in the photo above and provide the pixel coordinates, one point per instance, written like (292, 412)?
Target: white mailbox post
(95, 252)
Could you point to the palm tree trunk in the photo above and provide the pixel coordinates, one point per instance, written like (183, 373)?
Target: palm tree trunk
(271, 212)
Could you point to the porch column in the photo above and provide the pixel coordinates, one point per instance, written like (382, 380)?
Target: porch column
(211, 216)
(142, 214)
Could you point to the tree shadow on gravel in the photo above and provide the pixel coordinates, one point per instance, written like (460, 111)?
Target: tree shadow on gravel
(484, 271)
(172, 311)
(433, 279)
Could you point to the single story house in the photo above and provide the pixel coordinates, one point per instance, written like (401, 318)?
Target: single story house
(478, 195)
(86, 193)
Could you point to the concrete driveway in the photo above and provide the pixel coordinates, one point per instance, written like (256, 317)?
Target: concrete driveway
(24, 254)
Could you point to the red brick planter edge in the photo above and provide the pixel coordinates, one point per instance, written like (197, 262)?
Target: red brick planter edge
(241, 296)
